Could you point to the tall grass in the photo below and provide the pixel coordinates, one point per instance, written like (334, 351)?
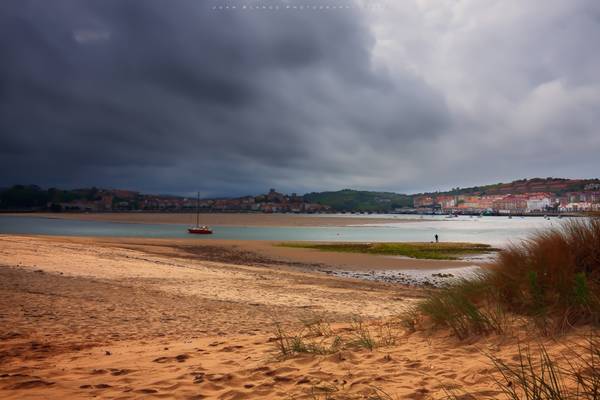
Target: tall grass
(553, 277)
(318, 337)
(302, 342)
(468, 307)
(543, 377)
(362, 334)
(555, 273)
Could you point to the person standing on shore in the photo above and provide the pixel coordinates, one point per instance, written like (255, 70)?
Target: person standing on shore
(436, 238)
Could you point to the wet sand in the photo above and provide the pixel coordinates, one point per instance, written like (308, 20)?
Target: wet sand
(224, 219)
(257, 252)
(83, 317)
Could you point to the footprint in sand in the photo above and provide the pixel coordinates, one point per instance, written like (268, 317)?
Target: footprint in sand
(102, 386)
(302, 381)
(99, 371)
(414, 364)
(198, 377)
(220, 377)
(179, 358)
(119, 372)
(282, 378)
(281, 370)
(231, 348)
(419, 394)
(146, 391)
(212, 386)
(31, 384)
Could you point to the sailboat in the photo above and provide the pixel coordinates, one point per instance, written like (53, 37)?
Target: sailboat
(199, 229)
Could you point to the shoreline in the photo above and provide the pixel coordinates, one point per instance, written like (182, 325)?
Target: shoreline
(223, 219)
(261, 253)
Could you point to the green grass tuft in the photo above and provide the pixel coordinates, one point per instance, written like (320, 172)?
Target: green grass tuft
(543, 377)
(433, 251)
(463, 307)
(553, 278)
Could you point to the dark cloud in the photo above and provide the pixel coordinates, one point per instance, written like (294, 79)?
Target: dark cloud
(174, 96)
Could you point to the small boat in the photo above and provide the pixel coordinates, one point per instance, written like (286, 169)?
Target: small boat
(199, 229)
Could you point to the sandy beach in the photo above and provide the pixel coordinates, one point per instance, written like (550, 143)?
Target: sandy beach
(225, 219)
(85, 317)
(262, 252)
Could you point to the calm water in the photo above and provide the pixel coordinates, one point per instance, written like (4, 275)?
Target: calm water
(497, 231)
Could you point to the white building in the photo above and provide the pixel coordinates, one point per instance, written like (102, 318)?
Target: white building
(578, 206)
(538, 204)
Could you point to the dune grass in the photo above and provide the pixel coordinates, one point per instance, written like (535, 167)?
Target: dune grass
(552, 278)
(555, 272)
(316, 336)
(305, 341)
(420, 250)
(467, 307)
(536, 375)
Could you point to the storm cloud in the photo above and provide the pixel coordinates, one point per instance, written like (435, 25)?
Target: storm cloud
(179, 96)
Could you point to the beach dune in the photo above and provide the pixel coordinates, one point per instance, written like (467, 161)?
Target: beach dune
(84, 318)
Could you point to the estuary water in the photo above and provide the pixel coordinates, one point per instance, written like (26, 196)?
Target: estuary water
(497, 231)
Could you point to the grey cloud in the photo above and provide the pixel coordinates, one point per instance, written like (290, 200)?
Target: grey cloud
(174, 97)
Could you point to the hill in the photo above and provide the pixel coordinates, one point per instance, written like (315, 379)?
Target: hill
(557, 186)
(33, 197)
(355, 200)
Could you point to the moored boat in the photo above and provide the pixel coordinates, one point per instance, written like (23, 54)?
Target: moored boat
(199, 229)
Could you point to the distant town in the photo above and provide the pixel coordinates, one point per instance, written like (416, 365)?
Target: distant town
(527, 203)
(523, 197)
(33, 198)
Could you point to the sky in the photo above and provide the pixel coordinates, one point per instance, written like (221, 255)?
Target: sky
(182, 96)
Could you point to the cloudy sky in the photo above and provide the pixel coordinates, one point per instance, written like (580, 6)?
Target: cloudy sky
(404, 95)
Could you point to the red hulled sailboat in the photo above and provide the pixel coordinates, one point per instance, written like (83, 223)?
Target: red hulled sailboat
(199, 229)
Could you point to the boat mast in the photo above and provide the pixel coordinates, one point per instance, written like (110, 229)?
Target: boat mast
(198, 210)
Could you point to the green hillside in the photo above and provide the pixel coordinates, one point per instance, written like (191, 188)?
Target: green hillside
(355, 200)
(32, 197)
(557, 186)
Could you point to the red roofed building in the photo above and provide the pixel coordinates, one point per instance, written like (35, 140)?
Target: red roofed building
(423, 201)
(514, 203)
